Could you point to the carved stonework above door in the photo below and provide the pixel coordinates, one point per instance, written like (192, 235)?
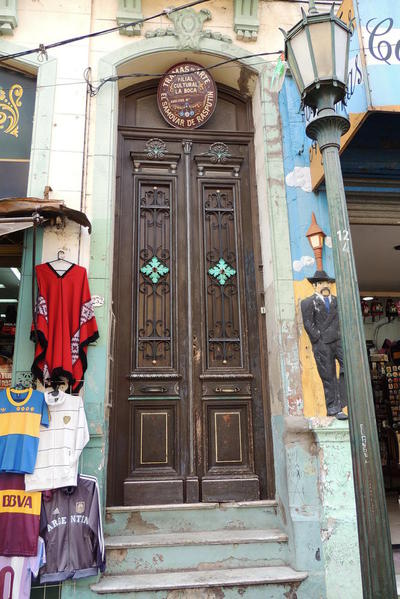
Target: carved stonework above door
(246, 22)
(130, 11)
(219, 160)
(8, 17)
(188, 29)
(155, 158)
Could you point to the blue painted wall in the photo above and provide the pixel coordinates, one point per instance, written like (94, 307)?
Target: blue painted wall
(301, 201)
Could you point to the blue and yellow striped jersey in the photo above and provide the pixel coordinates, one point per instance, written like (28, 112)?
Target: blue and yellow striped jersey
(21, 414)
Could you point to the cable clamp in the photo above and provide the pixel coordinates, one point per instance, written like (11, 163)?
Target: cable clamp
(42, 53)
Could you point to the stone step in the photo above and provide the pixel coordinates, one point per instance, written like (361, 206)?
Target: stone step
(202, 550)
(265, 582)
(191, 517)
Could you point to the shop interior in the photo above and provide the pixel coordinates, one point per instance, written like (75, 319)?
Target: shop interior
(11, 247)
(377, 256)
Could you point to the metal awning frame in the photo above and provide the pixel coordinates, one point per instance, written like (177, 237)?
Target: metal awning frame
(36, 218)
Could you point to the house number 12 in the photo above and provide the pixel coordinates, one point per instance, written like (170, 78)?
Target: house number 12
(344, 239)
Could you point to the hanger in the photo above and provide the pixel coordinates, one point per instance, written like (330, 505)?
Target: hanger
(60, 258)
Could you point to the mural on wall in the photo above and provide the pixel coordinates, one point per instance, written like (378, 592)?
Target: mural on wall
(321, 322)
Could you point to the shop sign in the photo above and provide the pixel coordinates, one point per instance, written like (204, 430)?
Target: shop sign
(17, 102)
(374, 68)
(380, 34)
(187, 96)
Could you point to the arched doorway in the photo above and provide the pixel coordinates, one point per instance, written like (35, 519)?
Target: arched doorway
(188, 387)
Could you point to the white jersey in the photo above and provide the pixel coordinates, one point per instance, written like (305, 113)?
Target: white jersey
(60, 445)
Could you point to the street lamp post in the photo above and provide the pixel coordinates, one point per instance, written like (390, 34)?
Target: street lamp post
(317, 52)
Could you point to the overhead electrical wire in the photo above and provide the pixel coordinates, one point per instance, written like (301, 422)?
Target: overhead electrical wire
(94, 90)
(101, 82)
(42, 48)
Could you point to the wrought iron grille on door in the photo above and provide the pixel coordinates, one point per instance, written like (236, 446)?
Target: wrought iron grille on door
(154, 303)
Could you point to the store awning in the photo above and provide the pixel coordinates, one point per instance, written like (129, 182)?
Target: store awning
(16, 213)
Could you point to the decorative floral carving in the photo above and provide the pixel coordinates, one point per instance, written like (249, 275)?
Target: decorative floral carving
(9, 109)
(188, 28)
(156, 148)
(219, 152)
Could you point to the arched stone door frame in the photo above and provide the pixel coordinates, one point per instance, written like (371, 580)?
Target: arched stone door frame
(283, 361)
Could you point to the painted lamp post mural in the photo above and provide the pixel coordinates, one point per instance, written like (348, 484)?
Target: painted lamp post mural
(321, 322)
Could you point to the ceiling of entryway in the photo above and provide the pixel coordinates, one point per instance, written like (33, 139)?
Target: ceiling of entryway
(377, 263)
(234, 74)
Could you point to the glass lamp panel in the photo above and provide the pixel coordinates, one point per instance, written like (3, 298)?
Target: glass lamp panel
(301, 51)
(321, 38)
(315, 241)
(340, 52)
(294, 70)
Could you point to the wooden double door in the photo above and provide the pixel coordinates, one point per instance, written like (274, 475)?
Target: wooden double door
(188, 408)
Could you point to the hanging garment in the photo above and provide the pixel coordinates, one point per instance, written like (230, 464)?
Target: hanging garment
(16, 573)
(19, 517)
(60, 445)
(70, 525)
(21, 414)
(65, 324)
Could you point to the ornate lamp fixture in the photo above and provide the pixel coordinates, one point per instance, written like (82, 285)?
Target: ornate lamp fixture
(317, 50)
(316, 236)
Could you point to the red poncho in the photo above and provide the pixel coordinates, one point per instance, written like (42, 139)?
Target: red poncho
(65, 324)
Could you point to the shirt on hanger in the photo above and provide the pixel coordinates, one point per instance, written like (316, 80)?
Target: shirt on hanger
(19, 517)
(21, 414)
(60, 445)
(65, 324)
(16, 573)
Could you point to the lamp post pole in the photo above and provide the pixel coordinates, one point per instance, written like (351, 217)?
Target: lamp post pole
(378, 577)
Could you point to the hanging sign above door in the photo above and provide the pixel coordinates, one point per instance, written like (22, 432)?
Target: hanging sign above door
(187, 95)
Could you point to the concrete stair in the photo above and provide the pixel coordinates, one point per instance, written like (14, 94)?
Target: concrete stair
(197, 551)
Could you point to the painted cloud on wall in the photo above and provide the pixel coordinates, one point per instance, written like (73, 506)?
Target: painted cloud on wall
(299, 177)
(298, 265)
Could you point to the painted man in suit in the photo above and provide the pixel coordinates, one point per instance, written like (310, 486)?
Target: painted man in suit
(321, 322)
